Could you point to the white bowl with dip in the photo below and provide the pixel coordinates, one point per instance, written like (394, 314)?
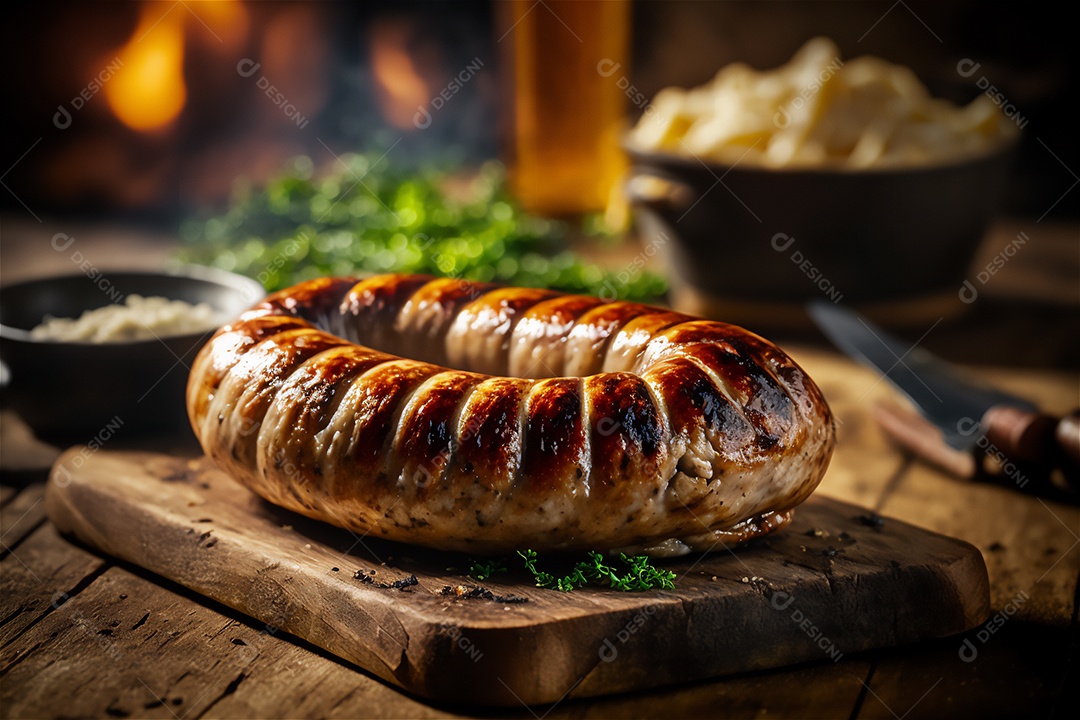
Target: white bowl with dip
(109, 372)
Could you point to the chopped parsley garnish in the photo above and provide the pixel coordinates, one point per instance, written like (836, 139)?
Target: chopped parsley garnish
(633, 573)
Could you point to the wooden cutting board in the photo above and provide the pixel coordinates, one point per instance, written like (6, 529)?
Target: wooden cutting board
(838, 581)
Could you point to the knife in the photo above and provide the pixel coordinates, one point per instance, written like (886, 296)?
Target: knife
(978, 429)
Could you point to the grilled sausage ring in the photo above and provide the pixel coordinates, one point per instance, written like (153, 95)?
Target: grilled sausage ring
(569, 423)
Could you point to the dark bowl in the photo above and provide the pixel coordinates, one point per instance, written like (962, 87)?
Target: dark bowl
(776, 238)
(74, 390)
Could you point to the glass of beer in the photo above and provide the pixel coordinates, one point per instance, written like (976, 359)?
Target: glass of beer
(564, 79)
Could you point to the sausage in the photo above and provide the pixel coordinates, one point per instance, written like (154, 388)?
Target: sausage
(486, 419)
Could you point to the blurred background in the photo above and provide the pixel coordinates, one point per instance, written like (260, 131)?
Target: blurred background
(143, 111)
(290, 139)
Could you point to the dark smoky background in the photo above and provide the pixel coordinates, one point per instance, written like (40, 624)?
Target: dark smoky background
(264, 82)
(1026, 50)
(351, 76)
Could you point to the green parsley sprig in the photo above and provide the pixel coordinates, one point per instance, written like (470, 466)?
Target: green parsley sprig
(483, 569)
(366, 214)
(639, 574)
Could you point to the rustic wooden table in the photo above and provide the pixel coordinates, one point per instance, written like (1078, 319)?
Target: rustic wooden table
(83, 635)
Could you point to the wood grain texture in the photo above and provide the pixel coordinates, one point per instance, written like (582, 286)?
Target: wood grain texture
(21, 513)
(24, 457)
(931, 680)
(1031, 546)
(195, 671)
(7, 492)
(34, 578)
(820, 690)
(91, 653)
(1017, 673)
(859, 587)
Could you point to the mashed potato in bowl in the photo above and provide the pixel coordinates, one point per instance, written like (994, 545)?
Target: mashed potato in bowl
(138, 318)
(819, 111)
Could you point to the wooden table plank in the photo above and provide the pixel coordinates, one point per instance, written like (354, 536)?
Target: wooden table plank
(34, 577)
(126, 646)
(864, 463)
(7, 492)
(24, 458)
(861, 587)
(1021, 536)
(288, 683)
(20, 515)
(190, 656)
(823, 690)
(1032, 553)
(1018, 670)
(1030, 546)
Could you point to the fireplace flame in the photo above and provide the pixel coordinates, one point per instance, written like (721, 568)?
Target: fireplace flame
(226, 21)
(148, 92)
(402, 90)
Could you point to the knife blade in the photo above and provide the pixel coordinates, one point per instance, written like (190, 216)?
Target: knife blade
(970, 416)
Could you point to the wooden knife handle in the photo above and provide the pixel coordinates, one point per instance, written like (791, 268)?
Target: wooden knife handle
(1067, 435)
(920, 437)
(1035, 438)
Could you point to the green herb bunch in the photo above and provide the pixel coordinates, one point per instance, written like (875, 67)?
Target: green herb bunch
(638, 573)
(366, 216)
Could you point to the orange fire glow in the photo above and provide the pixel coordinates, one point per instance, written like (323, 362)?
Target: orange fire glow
(402, 90)
(148, 92)
(225, 20)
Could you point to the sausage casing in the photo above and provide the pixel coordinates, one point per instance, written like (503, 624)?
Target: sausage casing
(473, 417)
